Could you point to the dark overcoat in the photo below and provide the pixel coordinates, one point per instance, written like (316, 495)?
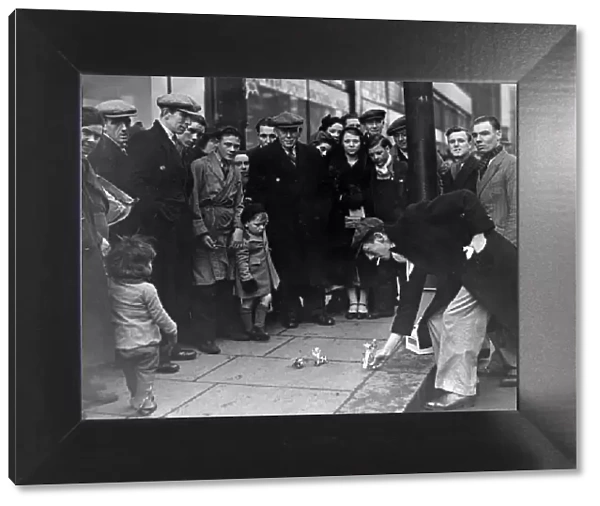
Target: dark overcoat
(432, 234)
(112, 163)
(164, 186)
(297, 197)
(97, 336)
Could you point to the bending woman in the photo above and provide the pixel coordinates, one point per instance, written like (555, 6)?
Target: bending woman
(452, 236)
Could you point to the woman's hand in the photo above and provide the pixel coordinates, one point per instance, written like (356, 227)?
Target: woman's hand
(384, 353)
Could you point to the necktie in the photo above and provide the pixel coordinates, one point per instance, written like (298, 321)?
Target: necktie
(292, 156)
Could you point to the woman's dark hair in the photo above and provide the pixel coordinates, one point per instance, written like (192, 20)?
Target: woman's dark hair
(91, 116)
(329, 120)
(354, 130)
(129, 258)
(250, 211)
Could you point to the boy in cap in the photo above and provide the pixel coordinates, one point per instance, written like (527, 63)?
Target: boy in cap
(292, 182)
(164, 186)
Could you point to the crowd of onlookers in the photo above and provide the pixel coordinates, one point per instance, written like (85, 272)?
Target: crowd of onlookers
(188, 239)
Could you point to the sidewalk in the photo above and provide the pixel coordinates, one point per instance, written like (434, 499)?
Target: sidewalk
(253, 378)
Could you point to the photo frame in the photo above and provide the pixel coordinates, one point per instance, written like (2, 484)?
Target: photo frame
(50, 443)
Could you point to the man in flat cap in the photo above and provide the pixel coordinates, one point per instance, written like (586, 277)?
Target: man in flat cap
(164, 186)
(372, 122)
(478, 258)
(292, 182)
(110, 158)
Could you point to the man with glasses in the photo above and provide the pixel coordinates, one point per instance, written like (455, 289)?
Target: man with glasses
(291, 181)
(164, 186)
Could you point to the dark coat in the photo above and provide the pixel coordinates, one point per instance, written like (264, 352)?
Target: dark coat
(388, 205)
(297, 198)
(466, 177)
(112, 163)
(351, 187)
(164, 186)
(432, 234)
(97, 337)
(159, 179)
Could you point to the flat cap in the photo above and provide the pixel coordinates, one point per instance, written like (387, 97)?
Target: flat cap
(288, 120)
(116, 109)
(364, 228)
(179, 101)
(372, 114)
(397, 125)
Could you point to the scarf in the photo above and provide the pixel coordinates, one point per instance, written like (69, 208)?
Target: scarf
(484, 160)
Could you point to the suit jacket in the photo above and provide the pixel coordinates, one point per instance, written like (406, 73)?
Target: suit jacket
(497, 191)
(112, 163)
(159, 179)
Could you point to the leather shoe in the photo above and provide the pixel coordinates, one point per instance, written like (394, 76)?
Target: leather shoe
(450, 401)
(183, 355)
(209, 347)
(167, 368)
(259, 334)
(323, 319)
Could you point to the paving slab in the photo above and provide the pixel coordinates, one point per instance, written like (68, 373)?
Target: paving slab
(384, 393)
(169, 395)
(347, 329)
(278, 372)
(336, 349)
(242, 400)
(191, 370)
(252, 348)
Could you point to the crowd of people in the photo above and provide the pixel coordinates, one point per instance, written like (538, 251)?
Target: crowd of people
(188, 239)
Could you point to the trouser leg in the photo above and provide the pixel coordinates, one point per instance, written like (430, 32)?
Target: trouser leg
(127, 365)
(145, 372)
(289, 299)
(227, 316)
(314, 301)
(204, 312)
(460, 338)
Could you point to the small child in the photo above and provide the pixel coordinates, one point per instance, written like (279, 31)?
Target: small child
(256, 276)
(138, 317)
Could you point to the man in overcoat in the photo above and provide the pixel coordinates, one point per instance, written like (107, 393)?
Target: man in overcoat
(97, 332)
(164, 185)
(292, 182)
(110, 158)
(453, 236)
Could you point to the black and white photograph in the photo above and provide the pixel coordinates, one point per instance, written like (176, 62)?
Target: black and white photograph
(266, 246)
(256, 246)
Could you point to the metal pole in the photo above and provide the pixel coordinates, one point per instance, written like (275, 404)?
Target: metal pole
(420, 131)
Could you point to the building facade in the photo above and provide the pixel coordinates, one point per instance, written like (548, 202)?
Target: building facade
(241, 102)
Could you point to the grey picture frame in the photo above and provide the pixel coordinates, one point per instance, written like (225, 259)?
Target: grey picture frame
(50, 443)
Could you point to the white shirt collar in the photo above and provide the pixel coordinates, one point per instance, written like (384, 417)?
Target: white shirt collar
(168, 132)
